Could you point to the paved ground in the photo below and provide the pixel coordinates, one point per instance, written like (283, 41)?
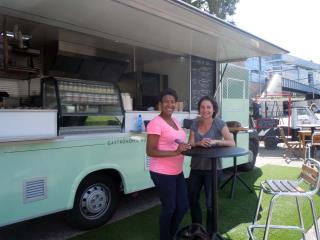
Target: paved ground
(275, 157)
(54, 227)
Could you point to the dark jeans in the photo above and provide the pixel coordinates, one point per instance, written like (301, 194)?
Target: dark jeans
(174, 202)
(197, 179)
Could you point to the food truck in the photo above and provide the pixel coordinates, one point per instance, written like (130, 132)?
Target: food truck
(75, 76)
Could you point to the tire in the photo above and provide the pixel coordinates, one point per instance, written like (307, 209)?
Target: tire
(253, 152)
(270, 143)
(95, 202)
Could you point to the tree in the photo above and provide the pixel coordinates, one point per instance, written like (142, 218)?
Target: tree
(218, 8)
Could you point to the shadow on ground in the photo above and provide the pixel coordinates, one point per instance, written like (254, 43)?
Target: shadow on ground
(241, 208)
(278, 152)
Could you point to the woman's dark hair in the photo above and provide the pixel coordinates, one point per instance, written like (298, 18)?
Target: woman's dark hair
(170, 92)
(213, 102)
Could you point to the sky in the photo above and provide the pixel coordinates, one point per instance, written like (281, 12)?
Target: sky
(291, 24)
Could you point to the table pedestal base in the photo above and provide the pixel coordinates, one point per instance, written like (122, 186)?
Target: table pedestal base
(234, 177)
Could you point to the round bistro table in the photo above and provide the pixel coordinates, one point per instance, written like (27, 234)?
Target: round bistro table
(214, 153)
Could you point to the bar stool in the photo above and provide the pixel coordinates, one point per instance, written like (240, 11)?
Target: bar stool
(305, 186)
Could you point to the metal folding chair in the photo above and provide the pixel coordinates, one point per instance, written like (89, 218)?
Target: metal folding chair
(305, 186)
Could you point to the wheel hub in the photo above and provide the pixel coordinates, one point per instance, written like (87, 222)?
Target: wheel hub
(95, 201)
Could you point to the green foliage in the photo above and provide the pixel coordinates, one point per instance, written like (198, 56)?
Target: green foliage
(219, 8)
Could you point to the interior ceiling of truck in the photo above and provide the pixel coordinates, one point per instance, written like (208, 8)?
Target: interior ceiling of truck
(42, 35)
(167, 27)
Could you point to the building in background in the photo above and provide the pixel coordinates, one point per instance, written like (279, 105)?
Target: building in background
(275, 77)
(298, 76)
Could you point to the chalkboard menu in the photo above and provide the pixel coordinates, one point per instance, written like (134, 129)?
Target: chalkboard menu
(203, 75)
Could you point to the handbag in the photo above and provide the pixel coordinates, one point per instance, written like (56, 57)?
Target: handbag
(195, 231)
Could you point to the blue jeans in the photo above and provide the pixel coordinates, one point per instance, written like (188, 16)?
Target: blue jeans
(198, 179)
(174, 202)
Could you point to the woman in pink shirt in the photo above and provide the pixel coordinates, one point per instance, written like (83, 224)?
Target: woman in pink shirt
(164, 146)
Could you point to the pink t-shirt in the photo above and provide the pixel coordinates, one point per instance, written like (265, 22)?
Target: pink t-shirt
(168, 135)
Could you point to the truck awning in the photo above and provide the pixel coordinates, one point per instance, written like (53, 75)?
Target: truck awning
(164, 25)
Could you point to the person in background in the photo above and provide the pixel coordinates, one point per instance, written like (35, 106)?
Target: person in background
(165, 142)
(206, 131)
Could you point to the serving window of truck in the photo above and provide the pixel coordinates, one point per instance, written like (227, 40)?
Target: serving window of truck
(70, 100)
(83, 106)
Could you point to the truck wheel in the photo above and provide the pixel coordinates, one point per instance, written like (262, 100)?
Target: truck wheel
(95, 202)
(253, 152)
(270, 143)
